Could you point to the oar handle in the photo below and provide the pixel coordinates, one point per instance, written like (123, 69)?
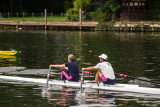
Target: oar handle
(88, 73)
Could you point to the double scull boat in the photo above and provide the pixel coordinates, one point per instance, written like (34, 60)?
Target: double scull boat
(117, 87)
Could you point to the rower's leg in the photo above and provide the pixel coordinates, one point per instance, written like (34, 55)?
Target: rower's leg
(98, 75)
(63, 78)
(65, 75)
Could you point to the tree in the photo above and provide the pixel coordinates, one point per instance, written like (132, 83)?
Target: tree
(153, 10)
(108, 10)
(83, 4)
(73, 13)
(113, 5)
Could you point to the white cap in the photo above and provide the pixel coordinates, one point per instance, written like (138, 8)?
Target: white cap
(103, 56)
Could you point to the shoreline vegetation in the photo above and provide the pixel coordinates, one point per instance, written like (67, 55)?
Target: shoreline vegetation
(62, 23)
(101, 15)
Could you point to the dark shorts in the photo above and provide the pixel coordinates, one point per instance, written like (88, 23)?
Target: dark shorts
(107, 80)
(65, 75)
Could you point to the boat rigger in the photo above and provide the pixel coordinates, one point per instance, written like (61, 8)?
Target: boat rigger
(117, 87)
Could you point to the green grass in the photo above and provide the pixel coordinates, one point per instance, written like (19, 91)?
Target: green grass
(37, 19)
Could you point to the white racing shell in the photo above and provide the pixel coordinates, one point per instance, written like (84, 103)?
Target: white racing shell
(116, 87)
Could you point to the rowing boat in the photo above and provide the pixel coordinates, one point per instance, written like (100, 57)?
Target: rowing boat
(10, 52)
(116, 87)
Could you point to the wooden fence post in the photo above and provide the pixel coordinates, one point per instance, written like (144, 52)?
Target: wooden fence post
(45, 19)
(80, 18)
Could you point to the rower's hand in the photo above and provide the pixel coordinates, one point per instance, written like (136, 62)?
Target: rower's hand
(66, 68)
(51, 66)
(83, 69)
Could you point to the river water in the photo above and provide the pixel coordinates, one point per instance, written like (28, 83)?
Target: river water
(135, 54)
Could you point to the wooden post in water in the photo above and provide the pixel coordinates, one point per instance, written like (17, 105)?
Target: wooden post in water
(45, 18)
(80, 17)
(153, 29)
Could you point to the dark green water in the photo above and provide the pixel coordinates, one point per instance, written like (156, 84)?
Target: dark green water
(135, 54)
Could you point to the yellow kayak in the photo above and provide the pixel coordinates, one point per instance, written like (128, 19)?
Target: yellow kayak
(10, 52)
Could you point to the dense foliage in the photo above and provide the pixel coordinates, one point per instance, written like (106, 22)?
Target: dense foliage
(73, 13)
(102, 11)
(108, 10)
(153, 9)
(55, 6)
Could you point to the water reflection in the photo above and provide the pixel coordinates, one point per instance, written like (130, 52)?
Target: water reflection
(99, 97)
(9, 60)
(66, 96)
(73, 97)
(135, 54)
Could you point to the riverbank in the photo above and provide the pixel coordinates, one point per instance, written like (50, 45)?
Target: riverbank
(30, 25)
(129, 26)
(85, 26)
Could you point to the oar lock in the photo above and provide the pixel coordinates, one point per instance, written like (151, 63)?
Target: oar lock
(82, 80)
(48, 76)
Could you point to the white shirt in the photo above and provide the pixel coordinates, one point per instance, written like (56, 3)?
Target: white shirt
(106, 69)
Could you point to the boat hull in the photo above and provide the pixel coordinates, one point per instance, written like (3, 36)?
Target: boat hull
(117, 87)
(9, 52)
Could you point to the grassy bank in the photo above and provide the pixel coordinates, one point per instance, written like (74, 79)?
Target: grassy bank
(37, 19)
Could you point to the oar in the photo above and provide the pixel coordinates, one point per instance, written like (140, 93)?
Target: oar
(88, 73)
(82, 81)
(48, 75)
(127, 76)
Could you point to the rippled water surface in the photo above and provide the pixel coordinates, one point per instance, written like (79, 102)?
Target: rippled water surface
(134, 54)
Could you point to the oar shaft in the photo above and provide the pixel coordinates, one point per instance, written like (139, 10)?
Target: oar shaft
(48, 75)
(126, 76)
(81, 89)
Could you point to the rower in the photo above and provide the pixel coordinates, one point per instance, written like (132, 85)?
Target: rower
(71, 72)
(105, 72)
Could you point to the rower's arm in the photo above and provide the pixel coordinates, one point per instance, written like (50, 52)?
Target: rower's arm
(58, 66)
(89, 68)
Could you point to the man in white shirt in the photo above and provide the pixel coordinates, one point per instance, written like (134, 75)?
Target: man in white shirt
(105, 71)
